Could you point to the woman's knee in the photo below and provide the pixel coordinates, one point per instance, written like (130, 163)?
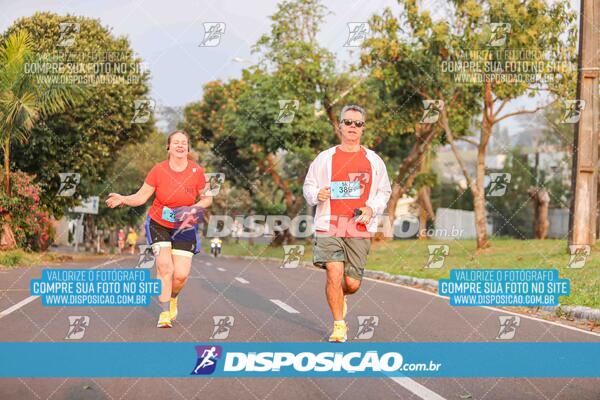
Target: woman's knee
(164, 266)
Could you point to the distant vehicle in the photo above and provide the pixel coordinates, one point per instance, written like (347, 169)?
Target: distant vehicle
(215, 246)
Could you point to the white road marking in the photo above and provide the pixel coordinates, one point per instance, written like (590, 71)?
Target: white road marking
(221, 269)
(488, 307)
(417, 389)
(15, 307)
(29, 299)
(241, 280)
(208, 263)
(286, 307)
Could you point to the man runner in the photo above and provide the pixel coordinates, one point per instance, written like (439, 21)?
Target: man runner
(349, 185)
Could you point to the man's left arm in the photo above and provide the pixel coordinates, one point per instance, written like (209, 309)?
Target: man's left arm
(383, 191)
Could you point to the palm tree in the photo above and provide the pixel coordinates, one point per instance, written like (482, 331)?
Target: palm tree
(24, 99)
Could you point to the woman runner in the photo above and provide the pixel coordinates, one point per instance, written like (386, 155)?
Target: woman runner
(178, 183)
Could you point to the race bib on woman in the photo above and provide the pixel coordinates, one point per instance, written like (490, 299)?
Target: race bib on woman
(345, 190)
(168, 214)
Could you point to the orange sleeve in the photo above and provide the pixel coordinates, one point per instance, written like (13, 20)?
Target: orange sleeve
(152, 178)
(201, 181)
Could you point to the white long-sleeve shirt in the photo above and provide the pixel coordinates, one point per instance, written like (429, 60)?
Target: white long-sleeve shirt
(319, 176)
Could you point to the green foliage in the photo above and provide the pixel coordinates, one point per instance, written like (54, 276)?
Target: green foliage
(126, 175)
(23, 98)
(237, 122)
(449, 195)
(10, 259)
(84, 138)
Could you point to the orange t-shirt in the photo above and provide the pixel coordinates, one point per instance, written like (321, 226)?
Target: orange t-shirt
(174, 189)
(349, 166)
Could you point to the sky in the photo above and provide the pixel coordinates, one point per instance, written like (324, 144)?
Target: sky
(167, 35)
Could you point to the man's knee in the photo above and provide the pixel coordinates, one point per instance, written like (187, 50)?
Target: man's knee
(352, 285)
(179, 280)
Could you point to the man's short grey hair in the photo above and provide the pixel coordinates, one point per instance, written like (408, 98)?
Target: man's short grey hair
(353, 107)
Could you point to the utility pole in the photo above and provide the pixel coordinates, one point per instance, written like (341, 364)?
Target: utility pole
(582, 218)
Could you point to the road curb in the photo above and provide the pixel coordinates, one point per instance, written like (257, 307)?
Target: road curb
(569, 312)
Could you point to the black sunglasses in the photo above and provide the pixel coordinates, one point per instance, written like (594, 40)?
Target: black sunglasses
(358, 124)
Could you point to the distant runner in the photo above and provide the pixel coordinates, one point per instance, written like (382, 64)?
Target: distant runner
(178, 183)
(349, 185)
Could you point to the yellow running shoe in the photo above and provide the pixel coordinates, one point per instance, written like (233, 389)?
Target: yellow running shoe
(345, 309)
(173, 308)
(340, 331)
(164, 320)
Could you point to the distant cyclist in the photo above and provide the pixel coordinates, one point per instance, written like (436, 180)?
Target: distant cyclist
(349, 185)
(179, 184)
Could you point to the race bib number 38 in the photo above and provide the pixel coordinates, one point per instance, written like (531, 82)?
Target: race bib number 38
(345, 190)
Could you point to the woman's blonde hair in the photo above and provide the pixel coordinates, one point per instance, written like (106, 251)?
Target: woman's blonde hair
(192, 155)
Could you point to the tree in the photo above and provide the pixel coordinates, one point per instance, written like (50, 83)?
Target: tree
(23, 101)
(404, 58)
(84, 138)
(535, 25)
(241, 121)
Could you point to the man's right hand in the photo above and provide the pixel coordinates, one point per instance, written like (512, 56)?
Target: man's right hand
(324, 194)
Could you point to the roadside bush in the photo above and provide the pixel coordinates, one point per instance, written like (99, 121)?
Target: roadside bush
(29, 221)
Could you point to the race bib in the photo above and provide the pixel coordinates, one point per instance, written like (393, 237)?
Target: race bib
(168, 214)
(345, 190)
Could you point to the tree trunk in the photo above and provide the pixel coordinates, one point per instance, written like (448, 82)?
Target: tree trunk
(7, 165)
(7, 237)
(479, 201)
(541, 202)
(332, 119)
(487, 126)
(426, 210)
(410, 168)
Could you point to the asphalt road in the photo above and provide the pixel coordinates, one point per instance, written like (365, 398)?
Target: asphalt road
(273, 304)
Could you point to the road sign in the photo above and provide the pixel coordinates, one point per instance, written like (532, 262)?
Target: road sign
(89, 206)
